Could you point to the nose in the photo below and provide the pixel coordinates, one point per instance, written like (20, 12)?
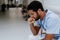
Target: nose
(32, 16)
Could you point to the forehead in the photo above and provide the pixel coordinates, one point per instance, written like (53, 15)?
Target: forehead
(30, 11)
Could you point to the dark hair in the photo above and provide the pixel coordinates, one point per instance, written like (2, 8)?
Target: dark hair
(35, 5)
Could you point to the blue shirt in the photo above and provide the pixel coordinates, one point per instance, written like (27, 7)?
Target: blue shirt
(51, 23)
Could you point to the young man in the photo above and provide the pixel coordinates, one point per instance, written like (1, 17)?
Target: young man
(44, 20)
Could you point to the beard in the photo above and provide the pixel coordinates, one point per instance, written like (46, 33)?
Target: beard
(37, 18)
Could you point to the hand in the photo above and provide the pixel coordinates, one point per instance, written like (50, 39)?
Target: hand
(31, 20)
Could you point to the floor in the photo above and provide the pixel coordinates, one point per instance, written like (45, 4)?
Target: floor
(13, 26)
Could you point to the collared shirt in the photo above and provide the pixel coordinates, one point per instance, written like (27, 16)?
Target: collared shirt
(51, 23)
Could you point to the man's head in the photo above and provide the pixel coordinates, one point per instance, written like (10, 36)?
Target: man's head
(35, 9)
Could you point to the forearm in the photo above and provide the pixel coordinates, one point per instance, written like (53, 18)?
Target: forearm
(33, 29)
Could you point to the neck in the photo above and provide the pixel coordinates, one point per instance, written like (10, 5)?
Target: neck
(42, 15)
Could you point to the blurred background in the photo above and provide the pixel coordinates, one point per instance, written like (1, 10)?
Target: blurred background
(13, 17)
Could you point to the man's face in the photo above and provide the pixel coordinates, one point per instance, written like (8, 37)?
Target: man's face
(34, 15)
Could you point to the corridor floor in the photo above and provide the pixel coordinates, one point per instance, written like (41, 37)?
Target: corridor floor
(13, 26)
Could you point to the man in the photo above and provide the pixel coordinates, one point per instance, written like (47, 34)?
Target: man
(3, 6)
(44, 20)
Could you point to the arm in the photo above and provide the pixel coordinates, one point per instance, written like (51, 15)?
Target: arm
(52, 28)
(34, 29)
(48, 37)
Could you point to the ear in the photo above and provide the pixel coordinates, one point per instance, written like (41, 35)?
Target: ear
(39, 10)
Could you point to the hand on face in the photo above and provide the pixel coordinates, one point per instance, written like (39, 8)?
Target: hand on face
(31, 20)
(34, 15)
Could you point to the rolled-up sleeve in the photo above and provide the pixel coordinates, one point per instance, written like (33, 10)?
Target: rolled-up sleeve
(53, 26)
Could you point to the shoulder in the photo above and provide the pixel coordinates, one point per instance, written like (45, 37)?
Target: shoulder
(51, 14)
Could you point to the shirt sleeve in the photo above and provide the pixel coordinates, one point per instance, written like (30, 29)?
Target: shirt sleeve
(53, 26)
(37, 23)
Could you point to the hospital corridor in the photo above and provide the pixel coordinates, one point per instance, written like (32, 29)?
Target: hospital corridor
(14, 18)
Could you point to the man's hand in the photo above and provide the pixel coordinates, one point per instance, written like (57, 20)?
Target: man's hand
(34, 29)
(31, 20)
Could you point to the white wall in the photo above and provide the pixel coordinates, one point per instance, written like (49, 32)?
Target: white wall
(29, 1)
(6, 1)
(20, 1)
(53, 5)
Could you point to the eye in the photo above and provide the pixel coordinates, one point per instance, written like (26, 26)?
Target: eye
(31, 14)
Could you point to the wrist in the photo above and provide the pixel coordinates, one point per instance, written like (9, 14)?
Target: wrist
(32, 24)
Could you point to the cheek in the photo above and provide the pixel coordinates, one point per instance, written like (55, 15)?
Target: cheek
(35, 16)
